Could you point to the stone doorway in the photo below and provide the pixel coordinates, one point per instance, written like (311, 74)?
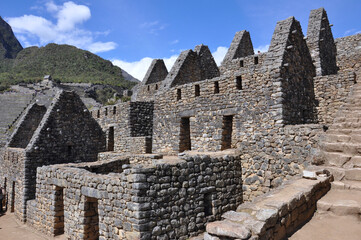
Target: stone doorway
(185, 135)
(111, 139)
(59, 211)
(91, 219)
(12, 209)
(227, 132)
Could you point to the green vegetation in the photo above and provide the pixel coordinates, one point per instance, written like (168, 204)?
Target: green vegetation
(126, 99)
(103, 95)
(64, 63)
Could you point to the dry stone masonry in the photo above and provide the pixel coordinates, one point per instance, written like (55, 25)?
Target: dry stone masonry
(198, 148)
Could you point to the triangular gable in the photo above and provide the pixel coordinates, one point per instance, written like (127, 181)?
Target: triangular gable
(157, 72)
(241, 46)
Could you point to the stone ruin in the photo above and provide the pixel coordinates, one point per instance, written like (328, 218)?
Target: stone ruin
(199, 148)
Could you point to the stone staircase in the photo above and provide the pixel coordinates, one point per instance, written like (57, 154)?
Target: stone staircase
(343, 199)
(11, 107)
(341, 153)
(341, 146)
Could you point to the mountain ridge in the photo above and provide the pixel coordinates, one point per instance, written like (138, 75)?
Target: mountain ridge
(65, 63)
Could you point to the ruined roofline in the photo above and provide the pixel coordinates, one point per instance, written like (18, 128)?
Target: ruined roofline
(241, 46)
(156, 72)
(192, 66)
(24, 116)
(321, 43)
(50, 111)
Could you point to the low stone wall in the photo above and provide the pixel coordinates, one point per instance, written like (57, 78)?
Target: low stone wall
(171, 198)
(275, 215)
(133, 158)
(135, 145)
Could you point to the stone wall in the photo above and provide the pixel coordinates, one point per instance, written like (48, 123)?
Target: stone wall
(192, 66)
(331, 94)
(321, 43)
(349, 53)
(296, 72)
(133, 158)
(241, 46)
(141, 119)
(171, 198)
(13, 179)
(152, 82)
(67, 133)
(127, 121)
(27, 126)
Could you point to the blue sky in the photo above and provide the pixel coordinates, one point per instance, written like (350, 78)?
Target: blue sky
(133, 32)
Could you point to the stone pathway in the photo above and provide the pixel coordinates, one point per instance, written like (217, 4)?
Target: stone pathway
(338, 214)
(12, 229)
(327, 226)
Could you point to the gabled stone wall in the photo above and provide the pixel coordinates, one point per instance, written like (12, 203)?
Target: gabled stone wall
(27, 126)
(241, 47)
(321, 43)
(296, 72)
(66, 133)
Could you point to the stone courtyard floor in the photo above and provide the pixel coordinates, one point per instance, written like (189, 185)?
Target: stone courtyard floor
(12, 229)
(320, 227)
(330, 227)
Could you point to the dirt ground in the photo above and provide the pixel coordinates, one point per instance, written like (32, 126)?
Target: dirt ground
(12, 229)
(320, 227)
(330, 227)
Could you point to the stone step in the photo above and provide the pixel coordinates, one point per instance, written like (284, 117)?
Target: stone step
(337, 138)
(353, 174)
(347, 125)
(345, 148)
(354, 162)
(341, 202)
(344, 131)
(336, 159)
(342, 138)
(351, 108)
(346, 185)
(344, 174)
(346, 119)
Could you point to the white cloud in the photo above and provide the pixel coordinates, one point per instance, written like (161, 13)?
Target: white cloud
(352, 31)
(138, 69)
(174, 42)
(153, 27)
(219, 54)
(36, 30)
(262, 48)
(102, 47)
(51, 6)
(71, 14)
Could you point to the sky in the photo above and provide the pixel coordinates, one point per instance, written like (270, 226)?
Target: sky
(131, 33)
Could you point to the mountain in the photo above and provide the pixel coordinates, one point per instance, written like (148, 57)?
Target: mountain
(129, 77)
(64, 63)
(9, 45)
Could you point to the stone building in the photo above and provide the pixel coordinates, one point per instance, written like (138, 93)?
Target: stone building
(61, 131)
(194, 142)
